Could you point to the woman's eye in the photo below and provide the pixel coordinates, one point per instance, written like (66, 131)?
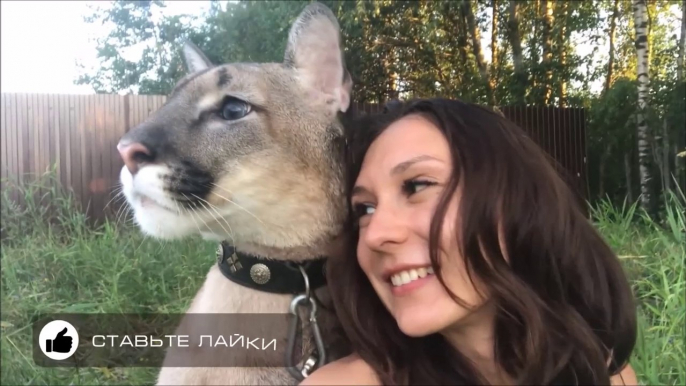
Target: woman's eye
(414, 186)
(362, 210)
(234, 109)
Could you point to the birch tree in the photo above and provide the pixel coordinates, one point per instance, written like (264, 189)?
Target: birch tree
(643, 79)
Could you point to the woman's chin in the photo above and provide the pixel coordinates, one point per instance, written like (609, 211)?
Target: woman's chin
(425, 320)
(416, 326)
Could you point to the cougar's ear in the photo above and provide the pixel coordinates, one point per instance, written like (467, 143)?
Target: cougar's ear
(195, 59)
(314, 50)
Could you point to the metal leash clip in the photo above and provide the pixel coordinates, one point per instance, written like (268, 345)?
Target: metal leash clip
(318, 357)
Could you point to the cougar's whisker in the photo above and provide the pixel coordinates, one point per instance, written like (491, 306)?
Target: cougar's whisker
(192, 215)
(118, 193)
(199, 217)
(122, 210)
(219, 219)
(234, 203)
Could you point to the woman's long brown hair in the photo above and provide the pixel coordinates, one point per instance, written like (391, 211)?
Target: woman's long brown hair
(565, 309)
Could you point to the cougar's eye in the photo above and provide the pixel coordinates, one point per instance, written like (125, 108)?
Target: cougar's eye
(234, 108)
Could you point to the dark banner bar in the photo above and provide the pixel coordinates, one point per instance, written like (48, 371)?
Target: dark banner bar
(161, 340)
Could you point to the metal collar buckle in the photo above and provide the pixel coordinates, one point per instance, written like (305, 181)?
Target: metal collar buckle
(316, 358)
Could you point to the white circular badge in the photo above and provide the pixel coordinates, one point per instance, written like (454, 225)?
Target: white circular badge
(58, 340)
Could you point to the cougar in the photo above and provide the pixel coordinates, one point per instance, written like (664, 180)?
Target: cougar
(249, 154)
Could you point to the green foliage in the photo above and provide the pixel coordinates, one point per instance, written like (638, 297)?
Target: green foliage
(160, 65)
(611, 128)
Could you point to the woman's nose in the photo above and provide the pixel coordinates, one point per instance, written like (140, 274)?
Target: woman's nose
(386, 228)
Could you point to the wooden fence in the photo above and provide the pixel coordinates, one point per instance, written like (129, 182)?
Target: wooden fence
(78, 134)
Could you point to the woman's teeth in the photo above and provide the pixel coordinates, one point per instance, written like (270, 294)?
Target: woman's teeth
(409, 275)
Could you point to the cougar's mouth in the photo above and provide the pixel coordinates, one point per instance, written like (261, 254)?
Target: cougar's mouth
(147, 202)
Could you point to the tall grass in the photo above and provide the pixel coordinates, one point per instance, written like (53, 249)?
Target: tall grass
(654, 255)
(53, 261)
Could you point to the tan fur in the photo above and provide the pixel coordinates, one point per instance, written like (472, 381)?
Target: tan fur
(269, 183)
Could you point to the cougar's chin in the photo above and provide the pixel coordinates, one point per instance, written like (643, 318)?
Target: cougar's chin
(155, 213)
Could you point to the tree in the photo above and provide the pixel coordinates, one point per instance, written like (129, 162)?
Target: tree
(476, 47)
(159, 66)
(547, 49)
(643, 79)
(516, 43)
(613, 28)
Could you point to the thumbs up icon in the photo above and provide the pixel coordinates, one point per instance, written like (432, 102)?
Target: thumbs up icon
(58, 340)
(61, 343)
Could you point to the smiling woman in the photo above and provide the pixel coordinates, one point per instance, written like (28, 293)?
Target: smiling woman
(473, 262)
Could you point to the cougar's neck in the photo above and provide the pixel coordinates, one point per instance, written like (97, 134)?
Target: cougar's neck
(326, 247)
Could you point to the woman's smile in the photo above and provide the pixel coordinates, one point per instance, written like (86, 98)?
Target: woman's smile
(407, 284)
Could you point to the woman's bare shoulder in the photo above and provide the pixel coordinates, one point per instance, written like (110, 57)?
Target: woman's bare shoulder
(626, 377)
(351, 370)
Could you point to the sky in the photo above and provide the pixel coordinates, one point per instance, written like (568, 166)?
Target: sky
(40, 42)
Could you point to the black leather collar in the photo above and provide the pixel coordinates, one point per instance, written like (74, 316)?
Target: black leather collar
(275, 276)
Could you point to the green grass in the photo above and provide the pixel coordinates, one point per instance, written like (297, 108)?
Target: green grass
(53, 262)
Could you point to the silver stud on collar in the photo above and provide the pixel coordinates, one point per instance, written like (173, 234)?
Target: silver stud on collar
(220, 253)
(260, 274)
(234, 264)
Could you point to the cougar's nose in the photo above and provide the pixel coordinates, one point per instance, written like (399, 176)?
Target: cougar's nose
(135, 155)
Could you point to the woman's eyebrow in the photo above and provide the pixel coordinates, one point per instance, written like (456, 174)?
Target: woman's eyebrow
(401, 167)
(359, 189)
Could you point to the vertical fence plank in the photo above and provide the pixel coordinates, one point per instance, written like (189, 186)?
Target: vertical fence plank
(583, 152)
(576, 151)
(564, 141)
(23, 158)
(47, 134)
(84, 144)
(16, 135)
(142, 107)
(33, 149)
(97, 182)
(572, 143)
(92, 114)
(9, 138)
(8, 142)
(106, 152)
(37, 129)
(44, 133)
(531, 114)
(62, 114)
(72, 146)
(3, 139)
(113, 153)
(50, 128)
(55, 143)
